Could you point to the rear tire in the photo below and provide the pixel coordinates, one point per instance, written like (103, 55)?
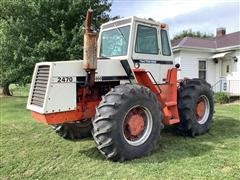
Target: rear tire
(195, 105)
(115, 137)
(74, 131)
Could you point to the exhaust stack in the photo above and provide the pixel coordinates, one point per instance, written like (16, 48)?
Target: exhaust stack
(90, 49)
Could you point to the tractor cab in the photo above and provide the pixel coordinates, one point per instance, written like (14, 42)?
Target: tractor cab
(144, 43)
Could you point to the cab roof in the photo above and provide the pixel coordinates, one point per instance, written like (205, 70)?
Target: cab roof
(130, 20)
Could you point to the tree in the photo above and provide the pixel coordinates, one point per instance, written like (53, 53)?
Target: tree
(42, 30)
(190, 33)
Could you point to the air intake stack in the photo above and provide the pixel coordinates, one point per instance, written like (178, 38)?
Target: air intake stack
(90, 49)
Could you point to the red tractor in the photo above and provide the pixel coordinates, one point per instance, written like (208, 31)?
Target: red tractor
(124, 90)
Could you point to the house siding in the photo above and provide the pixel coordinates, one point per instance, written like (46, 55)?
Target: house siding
(188, 61)
(211, 72)
(233, 78)
(215, 75)
(237, 64)
(223, 73)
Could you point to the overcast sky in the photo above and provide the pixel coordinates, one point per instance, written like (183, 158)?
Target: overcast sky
(198, 15)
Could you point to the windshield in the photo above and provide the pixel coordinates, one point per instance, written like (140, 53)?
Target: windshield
(114, 42)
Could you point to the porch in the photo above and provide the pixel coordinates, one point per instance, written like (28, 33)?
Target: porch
(226, 73)
(230, 87)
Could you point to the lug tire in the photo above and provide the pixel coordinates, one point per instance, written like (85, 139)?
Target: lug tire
(188, 95)
(108, 129)
(74, 131)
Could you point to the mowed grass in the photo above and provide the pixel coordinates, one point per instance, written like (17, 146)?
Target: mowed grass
(30, 150)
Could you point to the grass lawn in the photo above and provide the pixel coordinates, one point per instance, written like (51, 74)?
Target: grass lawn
(30, 150)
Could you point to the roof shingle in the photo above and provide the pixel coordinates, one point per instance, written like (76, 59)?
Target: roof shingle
(212, 43)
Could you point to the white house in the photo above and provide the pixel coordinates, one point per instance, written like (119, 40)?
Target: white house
(216, 60)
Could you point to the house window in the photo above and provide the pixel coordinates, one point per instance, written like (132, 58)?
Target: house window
(202, 70)
(146, 41)
(166, 51)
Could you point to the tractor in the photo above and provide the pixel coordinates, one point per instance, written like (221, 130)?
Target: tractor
(123, 92)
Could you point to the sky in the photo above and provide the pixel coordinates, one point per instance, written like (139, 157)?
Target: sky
(198, 15)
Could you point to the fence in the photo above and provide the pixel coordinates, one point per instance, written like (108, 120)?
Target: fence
(231, 87)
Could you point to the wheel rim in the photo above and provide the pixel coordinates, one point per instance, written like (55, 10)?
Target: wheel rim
(137, 125)
(202, 109)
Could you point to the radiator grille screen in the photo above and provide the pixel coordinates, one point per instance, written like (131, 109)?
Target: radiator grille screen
(40, 85)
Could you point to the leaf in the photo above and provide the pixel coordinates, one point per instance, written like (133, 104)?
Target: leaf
(32, 31)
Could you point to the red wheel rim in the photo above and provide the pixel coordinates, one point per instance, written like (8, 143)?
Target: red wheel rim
(136, 125)
(202, 109)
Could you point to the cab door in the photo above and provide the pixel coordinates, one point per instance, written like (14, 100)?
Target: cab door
(147, 51)
(146, 46)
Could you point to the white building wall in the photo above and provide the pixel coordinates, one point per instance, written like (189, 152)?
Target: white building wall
(236, 66)
(189, 68)
(211, 71)
(189, 65)
(188, 61)
(233, 78)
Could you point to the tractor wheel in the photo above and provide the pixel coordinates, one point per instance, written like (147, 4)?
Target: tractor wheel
(74, 131)
(195, 105)
(127, 123)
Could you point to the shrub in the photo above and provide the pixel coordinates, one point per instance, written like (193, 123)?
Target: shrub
(221, 98)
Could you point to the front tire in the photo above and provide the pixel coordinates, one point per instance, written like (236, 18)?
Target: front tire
(195, 104)
(127, 123)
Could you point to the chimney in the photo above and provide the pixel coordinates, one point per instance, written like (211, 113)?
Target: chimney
(220, 32)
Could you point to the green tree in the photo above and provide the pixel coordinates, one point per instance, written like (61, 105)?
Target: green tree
(190, 33)
(42, 30)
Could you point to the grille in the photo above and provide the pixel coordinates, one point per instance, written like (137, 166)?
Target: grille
(40, 85)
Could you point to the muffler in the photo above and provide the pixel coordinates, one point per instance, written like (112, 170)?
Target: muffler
(90, 49)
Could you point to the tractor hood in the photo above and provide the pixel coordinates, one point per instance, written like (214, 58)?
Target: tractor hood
(54, 84)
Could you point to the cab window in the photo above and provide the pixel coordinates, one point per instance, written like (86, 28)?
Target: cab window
(115, 42)
(166, 51)
(146, 41)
